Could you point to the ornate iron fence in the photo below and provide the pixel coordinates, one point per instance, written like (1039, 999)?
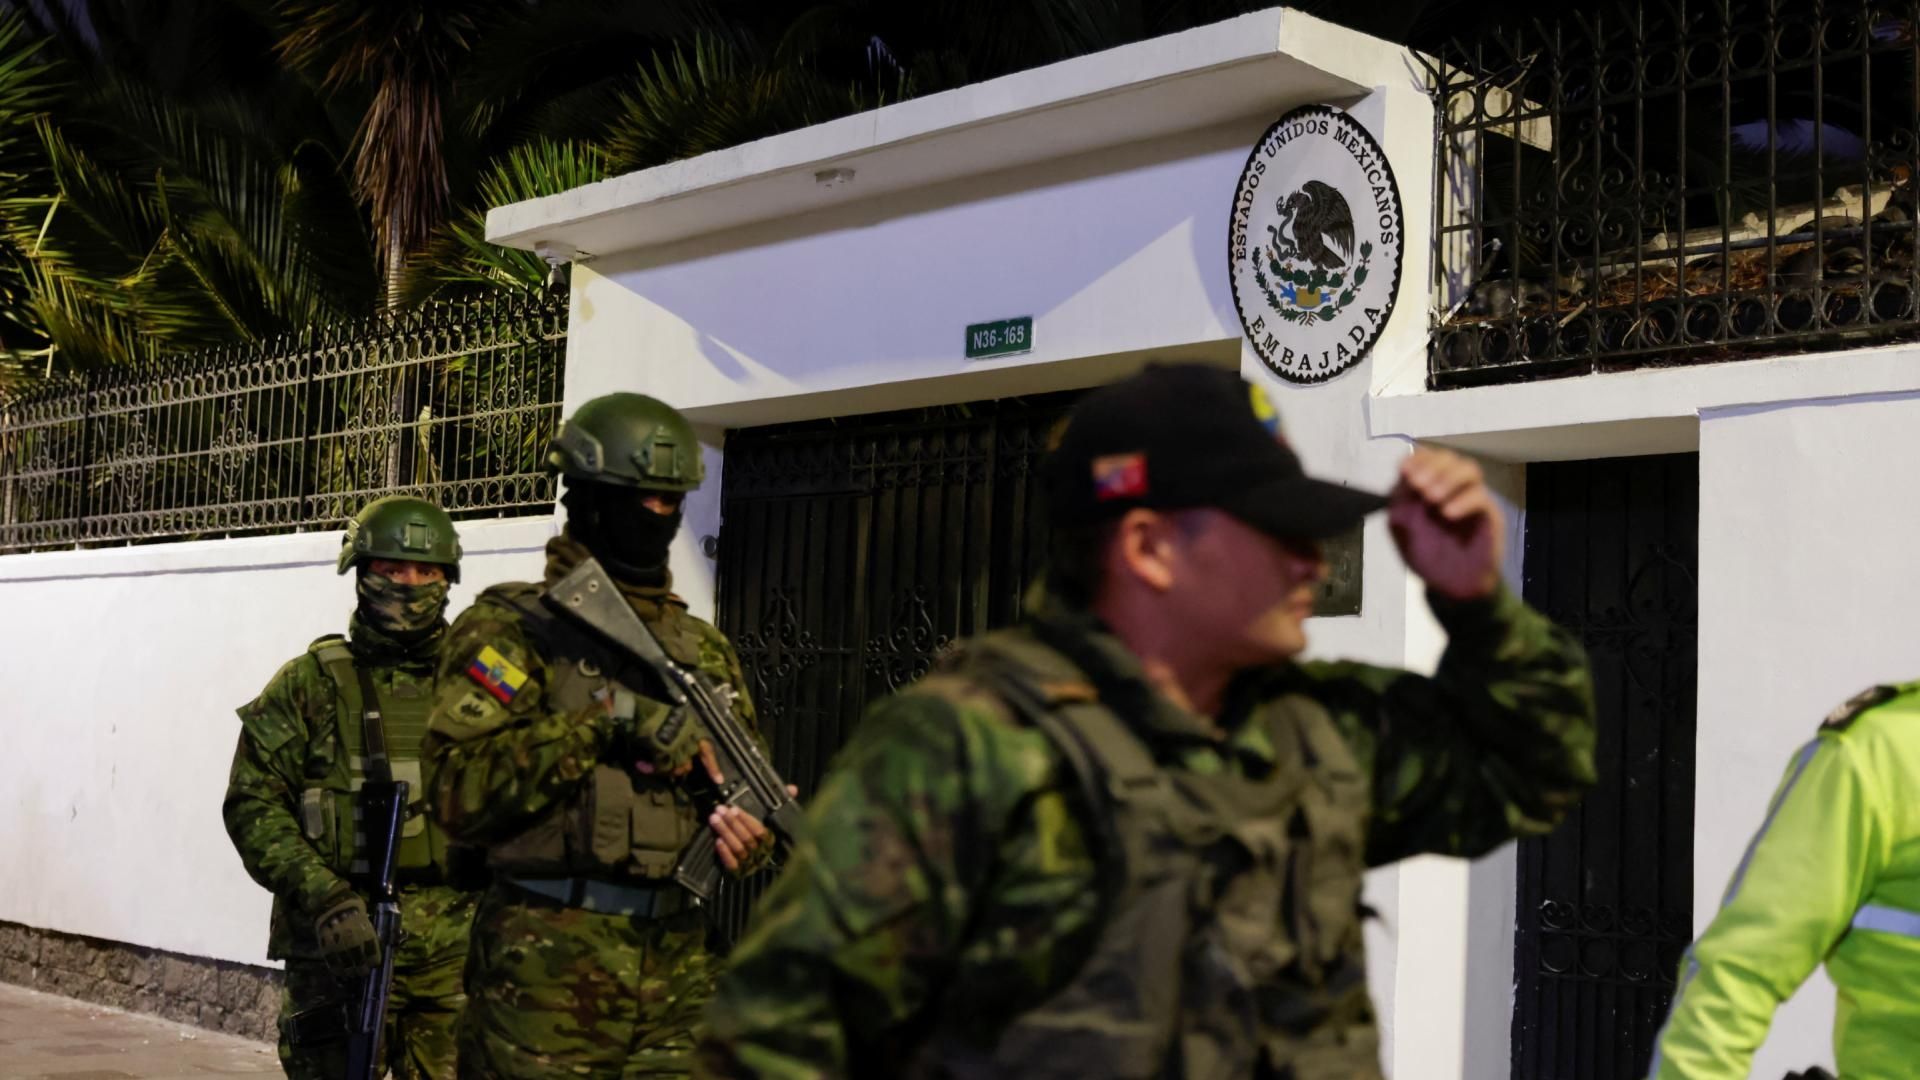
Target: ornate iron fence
(454, 401)
(1675, 181)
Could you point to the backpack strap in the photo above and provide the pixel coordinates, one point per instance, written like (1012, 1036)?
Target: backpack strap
(1111, 766)
(355, 685)
(336, 662)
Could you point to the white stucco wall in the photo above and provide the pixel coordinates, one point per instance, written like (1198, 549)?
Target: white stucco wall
(1808, 594)
(123, 669)
(1452, 921)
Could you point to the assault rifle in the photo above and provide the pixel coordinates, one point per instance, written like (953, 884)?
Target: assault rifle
(587, 597)
(383, 809)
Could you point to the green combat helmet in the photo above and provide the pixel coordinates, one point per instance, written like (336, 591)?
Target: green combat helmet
(629, 440)
(402, 527)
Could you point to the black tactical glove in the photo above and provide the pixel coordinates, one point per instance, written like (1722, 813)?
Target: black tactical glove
(663, 736)
(347, 941)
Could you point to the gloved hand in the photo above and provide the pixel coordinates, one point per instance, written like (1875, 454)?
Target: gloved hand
(347, 940)
(658, 737)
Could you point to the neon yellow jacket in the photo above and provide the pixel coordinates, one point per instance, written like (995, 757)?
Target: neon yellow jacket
(1833, 875)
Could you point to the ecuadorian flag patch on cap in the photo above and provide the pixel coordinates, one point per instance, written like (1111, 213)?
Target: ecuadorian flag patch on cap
(498, 676)
(1120, 476)
(1264, 412)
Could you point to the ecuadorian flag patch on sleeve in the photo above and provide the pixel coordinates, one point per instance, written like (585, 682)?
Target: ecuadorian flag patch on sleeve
(496, 674)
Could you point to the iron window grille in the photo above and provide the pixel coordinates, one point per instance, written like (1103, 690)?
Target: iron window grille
(1643, 184)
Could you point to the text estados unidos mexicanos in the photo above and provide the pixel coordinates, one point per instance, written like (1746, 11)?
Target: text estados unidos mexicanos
(1362, 154)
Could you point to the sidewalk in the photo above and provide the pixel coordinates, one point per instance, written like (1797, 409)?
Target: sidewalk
(44, 1037)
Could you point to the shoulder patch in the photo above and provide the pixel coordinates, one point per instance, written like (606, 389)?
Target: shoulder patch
(496, 674)
(1840, 718)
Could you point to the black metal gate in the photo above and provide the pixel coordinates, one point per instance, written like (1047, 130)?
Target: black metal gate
(854, 550)
(1606, 902)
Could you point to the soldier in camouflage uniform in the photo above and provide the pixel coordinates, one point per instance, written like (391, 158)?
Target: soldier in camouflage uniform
(293, 816)
(1126, 838)
(567, 765)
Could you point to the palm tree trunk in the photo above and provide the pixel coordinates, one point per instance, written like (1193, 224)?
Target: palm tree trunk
(399, 446)
(396, 264)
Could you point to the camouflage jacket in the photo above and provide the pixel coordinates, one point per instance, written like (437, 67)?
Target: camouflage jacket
(948, 881)
(494, 766)
(289, 740)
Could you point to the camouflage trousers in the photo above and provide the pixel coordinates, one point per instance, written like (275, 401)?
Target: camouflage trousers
(560, 991)
(425, 1003)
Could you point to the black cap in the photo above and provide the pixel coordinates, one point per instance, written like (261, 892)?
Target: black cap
(1183, 435)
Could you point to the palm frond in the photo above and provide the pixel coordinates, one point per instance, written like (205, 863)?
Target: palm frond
(234, 185)
(561, 49)
(28, 84)
(88, 323)
(714, 92)
(460, 257)
(161, 261)
(100, 219)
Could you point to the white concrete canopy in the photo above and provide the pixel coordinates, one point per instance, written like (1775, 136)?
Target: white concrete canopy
(1626, 413)
(1204, 77)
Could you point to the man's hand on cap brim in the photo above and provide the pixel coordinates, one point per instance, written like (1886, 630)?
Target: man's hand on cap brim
(1447, 524)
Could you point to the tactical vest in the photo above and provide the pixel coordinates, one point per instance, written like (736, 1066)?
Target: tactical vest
(329, 812)
(619, 825)
(1208, 903)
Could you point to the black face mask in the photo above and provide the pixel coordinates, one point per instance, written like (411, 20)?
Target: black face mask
(627, 537)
